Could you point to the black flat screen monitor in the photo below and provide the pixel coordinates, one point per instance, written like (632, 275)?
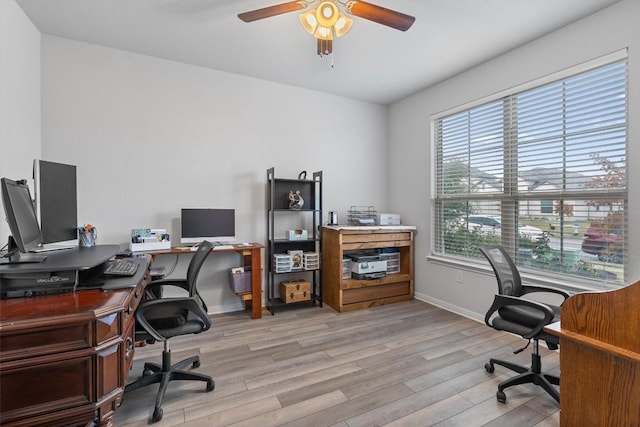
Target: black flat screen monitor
(20, 215)
(215, 225)
(56, 201)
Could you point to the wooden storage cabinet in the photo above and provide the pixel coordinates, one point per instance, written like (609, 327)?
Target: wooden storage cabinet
(344, 293)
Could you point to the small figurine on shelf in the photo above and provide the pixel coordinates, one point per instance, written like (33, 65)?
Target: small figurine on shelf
(295, 200)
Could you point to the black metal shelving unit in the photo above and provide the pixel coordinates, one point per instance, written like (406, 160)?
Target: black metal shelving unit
(280, 218)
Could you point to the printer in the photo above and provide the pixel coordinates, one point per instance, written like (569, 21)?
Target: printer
(366, 266)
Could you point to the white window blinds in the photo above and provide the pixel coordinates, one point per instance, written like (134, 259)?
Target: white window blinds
(549, 164)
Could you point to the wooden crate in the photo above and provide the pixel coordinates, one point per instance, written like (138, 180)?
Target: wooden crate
(295, 291)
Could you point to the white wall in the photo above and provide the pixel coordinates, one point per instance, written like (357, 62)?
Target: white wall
(150, 136)
(614, 28)
(19, 97)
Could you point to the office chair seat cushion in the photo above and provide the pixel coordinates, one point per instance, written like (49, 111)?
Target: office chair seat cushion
(189, 325)
(523, 330)
(526, 316)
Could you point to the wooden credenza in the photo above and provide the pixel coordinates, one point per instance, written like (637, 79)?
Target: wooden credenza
(64, 358)
(600, 358)
(345, 294)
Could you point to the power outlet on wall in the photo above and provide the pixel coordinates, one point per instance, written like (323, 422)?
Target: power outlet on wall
(459, 276)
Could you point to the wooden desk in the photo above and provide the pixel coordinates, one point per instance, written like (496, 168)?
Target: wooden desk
(64, 359)
(251, 256)
(600, 358)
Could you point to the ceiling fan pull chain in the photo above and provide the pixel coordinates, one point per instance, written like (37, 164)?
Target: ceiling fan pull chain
(331, 59)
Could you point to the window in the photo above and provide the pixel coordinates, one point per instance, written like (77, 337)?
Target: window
(548, 165)
(546, 206)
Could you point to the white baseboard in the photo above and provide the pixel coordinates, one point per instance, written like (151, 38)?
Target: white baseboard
(227, 308)
(450, 307)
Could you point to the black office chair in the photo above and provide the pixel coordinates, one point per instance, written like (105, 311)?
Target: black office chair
(160, 318)
(512, 313)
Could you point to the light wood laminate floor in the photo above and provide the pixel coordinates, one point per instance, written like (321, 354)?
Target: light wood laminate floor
(405, 364)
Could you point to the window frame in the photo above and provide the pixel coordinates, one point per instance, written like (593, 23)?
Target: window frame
(506, 198)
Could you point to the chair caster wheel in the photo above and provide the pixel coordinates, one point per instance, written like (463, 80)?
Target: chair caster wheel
(157, 415)
(211, 385)
(501, 397)
(146, 372)
(489, 367)
(196, 364)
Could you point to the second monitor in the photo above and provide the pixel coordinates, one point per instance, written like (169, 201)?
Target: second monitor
(215, 225)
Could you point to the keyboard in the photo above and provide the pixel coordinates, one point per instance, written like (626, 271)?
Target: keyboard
(121, 267)
(221, 247)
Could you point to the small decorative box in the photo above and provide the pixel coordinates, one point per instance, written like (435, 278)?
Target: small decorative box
(297, 234)
(295, 291)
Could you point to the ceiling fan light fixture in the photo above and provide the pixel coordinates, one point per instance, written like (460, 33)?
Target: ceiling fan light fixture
(325, 47)
(309, 21)
(342, 25)
(327, 14)
(323, 33)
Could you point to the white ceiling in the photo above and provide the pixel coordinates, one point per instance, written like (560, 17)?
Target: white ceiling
(372, 62)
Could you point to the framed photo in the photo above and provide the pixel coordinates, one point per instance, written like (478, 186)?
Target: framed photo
(296, 260)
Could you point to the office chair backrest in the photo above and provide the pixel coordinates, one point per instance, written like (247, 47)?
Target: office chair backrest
(204, 248)
(509, 281)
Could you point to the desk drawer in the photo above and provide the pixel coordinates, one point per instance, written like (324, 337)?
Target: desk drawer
(43, 341)
(37, 387)
(350, 296)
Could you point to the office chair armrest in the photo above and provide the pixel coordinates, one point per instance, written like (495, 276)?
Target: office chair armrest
(529, 289)
(154, 289)
(502, 301)
(189, 304)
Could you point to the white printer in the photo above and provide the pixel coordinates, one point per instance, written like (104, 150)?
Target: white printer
(368, 266)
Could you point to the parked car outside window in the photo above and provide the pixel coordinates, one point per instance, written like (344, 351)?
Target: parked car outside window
(608, 246)
(491, 224)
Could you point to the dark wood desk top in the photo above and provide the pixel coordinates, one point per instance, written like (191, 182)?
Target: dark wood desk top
(83, 303)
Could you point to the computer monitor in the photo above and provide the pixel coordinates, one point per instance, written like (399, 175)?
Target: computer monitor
(215, 225)
(21, 216)
(56, 202)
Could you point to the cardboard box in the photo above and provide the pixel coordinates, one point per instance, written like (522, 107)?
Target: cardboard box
(295, 291)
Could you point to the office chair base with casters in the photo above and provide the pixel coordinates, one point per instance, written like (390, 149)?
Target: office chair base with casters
(154, 373)
(533, 375)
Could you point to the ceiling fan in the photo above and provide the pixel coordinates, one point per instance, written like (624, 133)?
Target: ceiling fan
(328, 19)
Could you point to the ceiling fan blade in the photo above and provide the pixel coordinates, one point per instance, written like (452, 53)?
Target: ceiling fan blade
(382, 15)
(274, 10)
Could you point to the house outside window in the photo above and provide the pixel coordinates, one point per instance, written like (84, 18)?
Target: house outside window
(546, 206)
(541, 171)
